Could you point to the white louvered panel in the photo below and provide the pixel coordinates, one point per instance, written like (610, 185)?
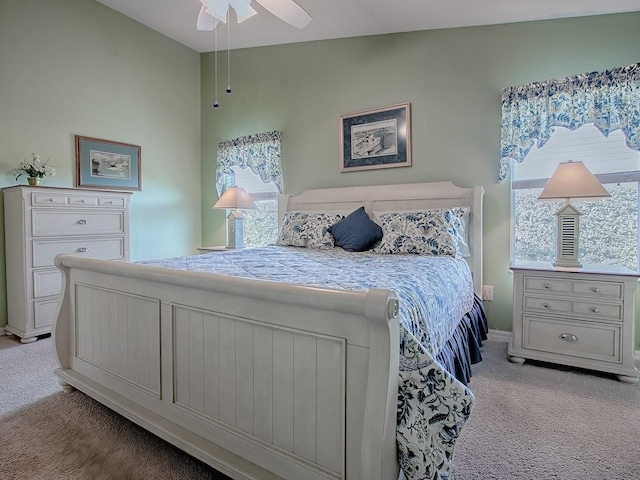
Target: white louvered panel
(104, 319)
(568, 236)
(304, 397)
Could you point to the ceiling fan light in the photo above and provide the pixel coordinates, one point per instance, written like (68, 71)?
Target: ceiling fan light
(217, 9)
(243, 9)
(287, 10)
(205, 22)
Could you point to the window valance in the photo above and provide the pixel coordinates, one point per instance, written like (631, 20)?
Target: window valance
(259, 152)
(609, 99)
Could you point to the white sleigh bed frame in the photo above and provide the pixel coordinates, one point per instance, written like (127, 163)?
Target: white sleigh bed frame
(259, 379)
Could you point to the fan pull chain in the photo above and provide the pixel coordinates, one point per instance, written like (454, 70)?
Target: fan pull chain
(215, 62)
(228, 54)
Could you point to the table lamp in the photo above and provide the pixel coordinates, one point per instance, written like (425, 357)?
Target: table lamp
(570, 180)
(235, 199)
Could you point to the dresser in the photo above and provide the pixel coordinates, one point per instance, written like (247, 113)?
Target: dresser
(579, 317)
(41, 222)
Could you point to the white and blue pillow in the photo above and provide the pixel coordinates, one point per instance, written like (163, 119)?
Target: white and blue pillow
(308, 229)
(430, 232)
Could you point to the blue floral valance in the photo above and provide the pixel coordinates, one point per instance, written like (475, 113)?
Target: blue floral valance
(259, 152)
(609, 99)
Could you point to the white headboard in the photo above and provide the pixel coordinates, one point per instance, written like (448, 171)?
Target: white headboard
(401, 197)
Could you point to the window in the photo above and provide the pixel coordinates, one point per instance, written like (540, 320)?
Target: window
(608, 228)
(260, 225)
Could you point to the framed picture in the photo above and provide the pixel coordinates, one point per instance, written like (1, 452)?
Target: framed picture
(107, 164)
(379, 138)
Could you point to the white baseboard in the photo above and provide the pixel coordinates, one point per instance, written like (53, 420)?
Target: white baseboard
(499, 335)
(3, 332)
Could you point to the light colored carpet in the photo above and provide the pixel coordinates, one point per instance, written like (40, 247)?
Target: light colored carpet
(530, 422)
(538, 421)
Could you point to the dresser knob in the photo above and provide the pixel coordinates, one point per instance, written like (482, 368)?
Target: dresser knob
(595, 290)
(82, 222)
(595, 310)
(82, 250)
(110, 202)
(546, 305)
(568, 337)
(52, 199)
(547, 286)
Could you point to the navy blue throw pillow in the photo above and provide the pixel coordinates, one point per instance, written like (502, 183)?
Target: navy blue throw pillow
(356, 232)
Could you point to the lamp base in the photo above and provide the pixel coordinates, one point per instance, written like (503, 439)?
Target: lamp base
(235, 230)
(567, 264)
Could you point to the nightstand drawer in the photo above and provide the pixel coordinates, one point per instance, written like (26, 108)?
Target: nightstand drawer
(608, 290)
(597, 311)
(546, 304)
(583, 310)
(593, 341)
(547, 285)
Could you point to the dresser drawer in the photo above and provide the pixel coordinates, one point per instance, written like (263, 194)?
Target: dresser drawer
(73, 223)
(546, 305)
(44, 312)
(44, 252)
(46, 282)
(593, 341)
(547, 285)
(50, 198)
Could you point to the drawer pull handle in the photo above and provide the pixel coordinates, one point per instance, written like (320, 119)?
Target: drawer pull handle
(595, 310)
(82, 222)
(595, 290)
(568, 337)
(546, 305)
(82, 250)
(547, 286)
(83, 201)
(110, 202)
(52, 199)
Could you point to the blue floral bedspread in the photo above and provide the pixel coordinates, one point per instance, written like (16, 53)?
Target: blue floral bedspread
(434, 294)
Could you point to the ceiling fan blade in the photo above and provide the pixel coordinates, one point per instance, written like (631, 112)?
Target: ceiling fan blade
(243, 9)
(217, 9)
(287, 10)
(205, 22)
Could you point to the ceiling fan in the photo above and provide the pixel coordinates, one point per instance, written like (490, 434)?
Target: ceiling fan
(214, 11)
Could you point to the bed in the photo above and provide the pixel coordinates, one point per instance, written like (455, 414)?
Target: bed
(272, 379)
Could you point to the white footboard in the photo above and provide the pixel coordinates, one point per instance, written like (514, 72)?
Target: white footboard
(261, 380)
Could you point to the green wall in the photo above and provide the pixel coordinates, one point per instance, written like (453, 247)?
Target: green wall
(72, 67)
(452, 78)
(76, 67)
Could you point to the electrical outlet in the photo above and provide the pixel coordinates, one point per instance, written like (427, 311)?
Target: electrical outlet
(487, 293)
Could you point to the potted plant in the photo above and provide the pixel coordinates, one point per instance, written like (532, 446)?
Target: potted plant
(35, 169)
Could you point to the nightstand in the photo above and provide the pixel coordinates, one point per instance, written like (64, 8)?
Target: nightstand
(220, 248)
(581, 317)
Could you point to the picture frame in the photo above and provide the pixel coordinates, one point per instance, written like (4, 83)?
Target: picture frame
(106, 164)
(376, 138)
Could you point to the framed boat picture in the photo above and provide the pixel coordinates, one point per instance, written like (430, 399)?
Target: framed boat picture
(107, 164)
(378, 138)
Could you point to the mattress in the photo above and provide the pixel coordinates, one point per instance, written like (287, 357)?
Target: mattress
(434, 292)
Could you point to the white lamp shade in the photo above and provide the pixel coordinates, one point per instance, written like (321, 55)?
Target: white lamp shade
(573, 180)
(235, 198)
